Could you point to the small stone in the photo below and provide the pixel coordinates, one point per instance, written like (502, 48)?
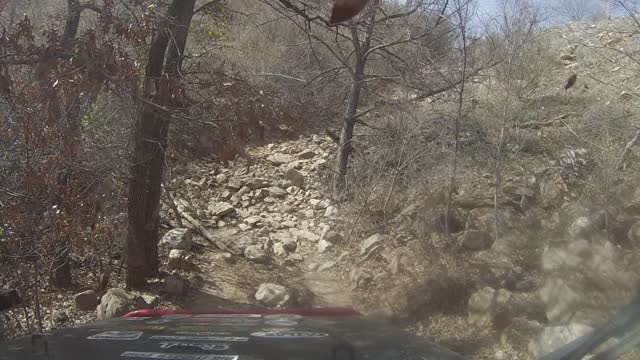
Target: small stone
(86, 300)
(221, 209)
(324, 245)
(331, 211)
(326, 266)
(309, 214)
(221, 178)
(294, 178)
(152, 300)
(279, 159)
(234, 185)
(295, 257)
(177, 260)
(180, 238)
(371, 242)
(255, 184)
(256, 254)
(304, 234)
(306, 154)
(252, 220)
(330, 236)
(276, 192)
(293, 190)
(244, 227)
(290, 244)
(273, 295)
(243, 191)
(313, 267)
(279, 250)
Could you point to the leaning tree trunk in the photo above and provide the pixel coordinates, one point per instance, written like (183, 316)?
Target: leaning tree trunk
(150, 142)
(346, 136)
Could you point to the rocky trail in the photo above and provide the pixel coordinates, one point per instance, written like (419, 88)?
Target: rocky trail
(265, 236)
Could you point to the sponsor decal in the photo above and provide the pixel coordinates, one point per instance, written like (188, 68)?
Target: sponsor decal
(154, 355)
(226, 316)
(281, 323)
(117, 335)
(200, 338)
(289, 334)
(138, 318)
(159, 321)
(283, 317)
(203, 333)
(176, 316)
(201, 346)
(148, 327)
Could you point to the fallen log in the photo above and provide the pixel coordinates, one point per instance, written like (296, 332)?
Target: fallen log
(204, 232)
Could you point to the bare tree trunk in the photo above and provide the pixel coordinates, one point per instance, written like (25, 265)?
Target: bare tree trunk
(346, 136)
(61, 276)
(150, 142)
(454, 158)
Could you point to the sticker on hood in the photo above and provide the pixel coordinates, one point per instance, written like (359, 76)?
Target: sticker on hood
(117, 335)
(154, 355)
(289, 334)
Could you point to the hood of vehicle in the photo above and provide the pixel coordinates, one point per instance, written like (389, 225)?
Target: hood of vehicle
(182, 335)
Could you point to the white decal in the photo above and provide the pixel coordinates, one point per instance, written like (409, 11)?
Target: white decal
(281, 323)
(153, 355)
(283, 317)
(159, 321)
(138, 318)
(289, 334)
(199, 338)
(201, 346)
(203, 333)
(176, 316)
(228, 316)
(117, 335)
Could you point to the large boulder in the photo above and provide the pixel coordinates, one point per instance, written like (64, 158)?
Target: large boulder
(553, 337)
(179, 260)
(86, 300)
(179, 238)
(117, 302)
(294, 178)
(273, 295)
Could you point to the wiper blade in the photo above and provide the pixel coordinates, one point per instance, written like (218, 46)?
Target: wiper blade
(628, 342)
(628, 318)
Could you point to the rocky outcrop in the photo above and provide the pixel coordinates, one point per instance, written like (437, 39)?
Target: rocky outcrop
(117, 302)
